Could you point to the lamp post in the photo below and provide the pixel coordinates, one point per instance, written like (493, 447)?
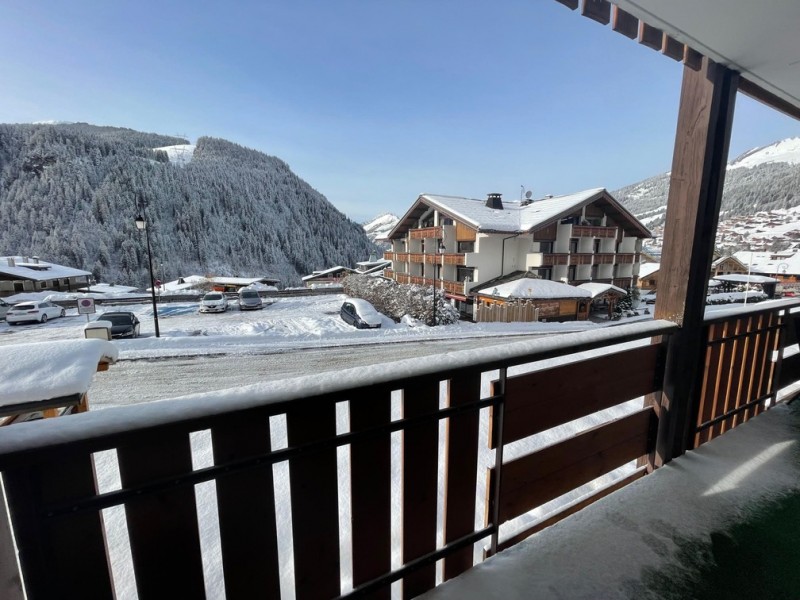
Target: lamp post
(141, 224)
(439, 249)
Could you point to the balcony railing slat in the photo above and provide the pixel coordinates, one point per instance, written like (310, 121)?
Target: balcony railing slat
(420, 480)
(532, 480)
(163, 526)
(63, 556)
(460, 486)
(246, 504)
(313, 480)
(370, 469)
(581, 388)
(759, 346)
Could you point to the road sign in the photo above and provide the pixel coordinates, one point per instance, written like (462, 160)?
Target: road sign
(86, 306)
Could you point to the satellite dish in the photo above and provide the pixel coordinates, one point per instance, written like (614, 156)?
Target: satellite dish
(528, 194)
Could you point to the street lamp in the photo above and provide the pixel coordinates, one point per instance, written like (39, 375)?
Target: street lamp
(439, 248)
(141, 224)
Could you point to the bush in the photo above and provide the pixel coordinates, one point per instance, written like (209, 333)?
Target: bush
(396, 299)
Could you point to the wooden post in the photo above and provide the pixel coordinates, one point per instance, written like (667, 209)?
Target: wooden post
(695, 191)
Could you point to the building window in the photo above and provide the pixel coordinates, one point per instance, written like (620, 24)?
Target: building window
(447, 222)
(546, 247)
(465, 274)
(543, 272)
(571, 273)
(465, 247)
(573, 245)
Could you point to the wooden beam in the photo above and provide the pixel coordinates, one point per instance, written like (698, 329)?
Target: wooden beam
(698, 174)
(650, 36)
(756, 92)
(571, 4)
(692, 58)
(672, 48)
(624, 23)
(597, 10)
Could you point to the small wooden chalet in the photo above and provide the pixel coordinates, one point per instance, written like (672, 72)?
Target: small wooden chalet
(527, 297)
(727, 265)
(20, 274)
(331, 276)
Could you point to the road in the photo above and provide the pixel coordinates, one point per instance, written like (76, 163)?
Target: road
(170, 377)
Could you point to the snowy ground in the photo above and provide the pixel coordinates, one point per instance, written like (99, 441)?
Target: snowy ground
(286, 324)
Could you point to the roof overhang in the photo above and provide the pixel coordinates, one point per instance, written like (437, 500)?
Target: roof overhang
(756, 38)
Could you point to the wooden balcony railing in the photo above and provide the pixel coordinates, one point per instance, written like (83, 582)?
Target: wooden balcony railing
(604, 259)
(623, 282)
(592, 231)
(555, 259)
(581, 259)
(426, 232)
(437, 259)
(626, 258)
(49, 467)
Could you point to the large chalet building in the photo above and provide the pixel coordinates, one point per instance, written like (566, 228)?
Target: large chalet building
(462, 243)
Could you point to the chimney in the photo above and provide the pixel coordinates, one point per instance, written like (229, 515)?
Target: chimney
(11, 262)
(494, 201)
(36, 260)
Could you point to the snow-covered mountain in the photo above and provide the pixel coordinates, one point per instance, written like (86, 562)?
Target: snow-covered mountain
(762, 179)
(378, 228)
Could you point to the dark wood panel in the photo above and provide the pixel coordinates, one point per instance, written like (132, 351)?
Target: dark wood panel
(461, 471)
(734, 398)
(572, 508)
(65, 556)
(370, 468)
(597, 10)
(756, 92)
(624, 23)
(420, 472)
(313, 482)
(538, 401)
(246, 505)
(163, 526)
(532, 480)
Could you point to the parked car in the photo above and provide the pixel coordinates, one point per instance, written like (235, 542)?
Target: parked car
(360, 314)
(4, 306)
(214, 302)
(123, 324)
(33, 311)
(249, 300)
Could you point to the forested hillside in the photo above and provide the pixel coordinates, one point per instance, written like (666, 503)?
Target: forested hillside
(69, 193)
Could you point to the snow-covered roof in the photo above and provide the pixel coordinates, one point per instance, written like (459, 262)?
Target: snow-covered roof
(646, 269)
(598, 289)
(721, 260)
(526, 287)
(36, 269)
(326, 272)
(238, 280)
(514, 216)
(744, 278)
(45, 370)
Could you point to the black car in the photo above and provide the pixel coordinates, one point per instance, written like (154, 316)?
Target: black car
(123, 324)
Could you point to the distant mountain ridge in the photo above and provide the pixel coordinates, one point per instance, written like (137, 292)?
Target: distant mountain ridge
(761, 179)
(378, 228)
(70, 193)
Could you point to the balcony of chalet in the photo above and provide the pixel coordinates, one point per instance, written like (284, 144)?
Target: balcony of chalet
(580, 231)
(614, 448)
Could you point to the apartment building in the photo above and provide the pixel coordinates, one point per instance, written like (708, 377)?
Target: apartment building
(459, 243)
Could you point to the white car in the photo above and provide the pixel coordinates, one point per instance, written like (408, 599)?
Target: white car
(33, 311)
(214, 302)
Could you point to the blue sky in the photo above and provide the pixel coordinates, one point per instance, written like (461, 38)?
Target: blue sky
(372, 103)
